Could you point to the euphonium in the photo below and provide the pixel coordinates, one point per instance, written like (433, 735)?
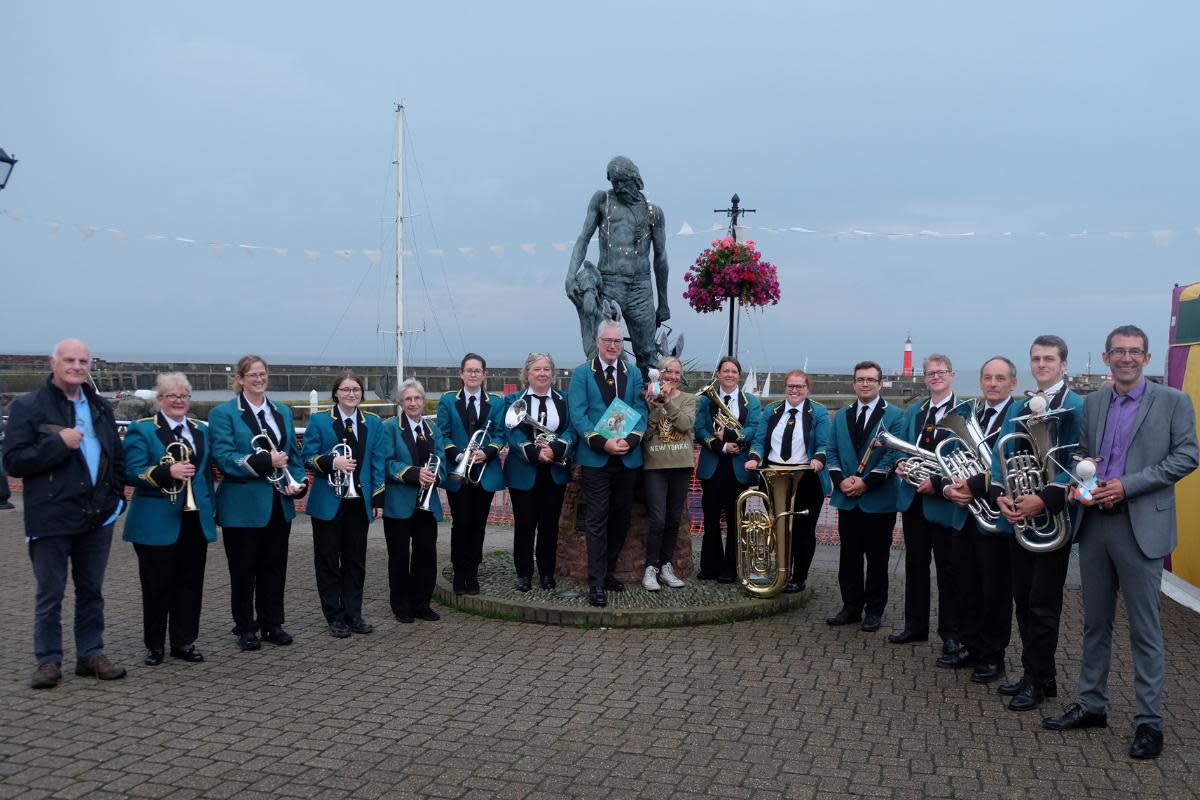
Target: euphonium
(342, 483)
(280, 478)
(722, 418)
(425, 493)
(466, 471)
(919, 464)
(965, 454)
(518, 414)
(764, 552)
(177, 453)
(1027, 465)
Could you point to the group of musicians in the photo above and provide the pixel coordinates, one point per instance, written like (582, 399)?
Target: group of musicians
(364, 468)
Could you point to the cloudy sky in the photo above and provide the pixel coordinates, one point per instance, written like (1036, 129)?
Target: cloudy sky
(1060, 135)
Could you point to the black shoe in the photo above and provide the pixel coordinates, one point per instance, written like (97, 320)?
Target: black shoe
(547, 582)
(963, 658)
(153, 657)
(339, 629)
(1013, 688)
(277, 636)
(1050, 688)
(249, 641)
(360, 625)
(596, 597)
(189, 654)
(793, 588)
(405, 616)
(950, 647)
(6, 506)
(704, 576)
(472, 585)
(1027, 699)
(726, 579)
(872, 623)
(1076, 716)
(428, 614)
(1147, 742)
(613, 585)
(986, 673)
(844, 617)
(460, 584)
(524, 583)
(905, 636)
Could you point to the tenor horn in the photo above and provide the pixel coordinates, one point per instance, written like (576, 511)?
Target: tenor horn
(764, 552)
(518, 414)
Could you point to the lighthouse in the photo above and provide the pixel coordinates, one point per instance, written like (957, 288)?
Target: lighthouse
(908, 355)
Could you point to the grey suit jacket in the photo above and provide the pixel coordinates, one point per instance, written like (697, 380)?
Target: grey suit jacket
(1162, 450)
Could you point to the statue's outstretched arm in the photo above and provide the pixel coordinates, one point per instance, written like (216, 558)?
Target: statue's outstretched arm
(659, 242)
(590, 223)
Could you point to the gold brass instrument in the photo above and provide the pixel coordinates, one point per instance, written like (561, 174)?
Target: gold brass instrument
(342, 483)
(764, 551)
(177, 453)
(280, 478)
(1028, 464)
(425, 493)
(964, 454)
(518, 414)
(466, 471)
(722, 418)
(919, 463)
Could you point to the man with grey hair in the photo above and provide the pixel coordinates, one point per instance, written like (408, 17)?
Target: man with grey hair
(62, 441)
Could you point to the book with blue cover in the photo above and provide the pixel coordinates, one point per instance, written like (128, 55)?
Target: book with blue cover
(618, 420)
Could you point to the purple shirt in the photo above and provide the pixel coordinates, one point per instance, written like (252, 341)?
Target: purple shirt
(1122, 411)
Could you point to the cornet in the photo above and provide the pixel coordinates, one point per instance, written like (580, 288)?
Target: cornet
(342, 483)
(425, 493)
(177, 453)
(518, 414)
(466, 471)
(280, 478)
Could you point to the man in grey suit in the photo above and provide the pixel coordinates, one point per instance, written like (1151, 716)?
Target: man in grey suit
(1145, 436)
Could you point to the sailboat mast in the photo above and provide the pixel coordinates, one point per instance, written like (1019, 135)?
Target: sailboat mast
(399, 246)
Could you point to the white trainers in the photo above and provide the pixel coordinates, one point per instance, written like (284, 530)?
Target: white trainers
(668, 576)
(648, 580)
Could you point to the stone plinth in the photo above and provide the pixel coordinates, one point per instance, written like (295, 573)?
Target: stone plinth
(572, 540)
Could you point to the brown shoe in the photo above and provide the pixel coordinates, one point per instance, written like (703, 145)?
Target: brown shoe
(46, 676)
(99, 666)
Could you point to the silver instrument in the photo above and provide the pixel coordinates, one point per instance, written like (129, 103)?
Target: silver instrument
(1028, 464)
(964, 454)
(518, 414)
(342, 483)
(919, 463)
(280, 478)
(466, 471)
(425, 493)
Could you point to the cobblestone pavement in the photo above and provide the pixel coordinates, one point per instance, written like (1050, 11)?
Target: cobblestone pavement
(474, 707)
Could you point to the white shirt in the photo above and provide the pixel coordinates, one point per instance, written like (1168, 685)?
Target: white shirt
(799, 450)
(732, 403)
(942, 407)
(997, 418)
(551, 410)
(467, 395)
(1053, 391)
(270, 417)
(858, 407)
(186, 432)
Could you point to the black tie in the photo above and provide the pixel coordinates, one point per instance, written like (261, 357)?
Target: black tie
(262, 421)
(472, 414)
(785, 448)
(927, 433)
(178, 431)
(988, 416)
(351, 438)
(862, 420)
(541, 412)
(608, 375)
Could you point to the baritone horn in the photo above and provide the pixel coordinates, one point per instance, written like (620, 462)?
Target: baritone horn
(919, 463)
(1028, 464)
(425, 493)
(764, 552)
(177, 453)
(964, 454)
(722, 418)
(342, 483)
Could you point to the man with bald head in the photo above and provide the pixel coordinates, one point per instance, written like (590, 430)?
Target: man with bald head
(62, 442)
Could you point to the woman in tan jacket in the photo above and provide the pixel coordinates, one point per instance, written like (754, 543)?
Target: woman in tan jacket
(668, 465)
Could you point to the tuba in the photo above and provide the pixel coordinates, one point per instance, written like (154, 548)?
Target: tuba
(177, 453)
(281, 479)
(965, 454)
(722, 418)
(425, 493)
(764, 551)
(342, 483)
(518, 414)
(919, 464)
(466, 471)
(1028, 464)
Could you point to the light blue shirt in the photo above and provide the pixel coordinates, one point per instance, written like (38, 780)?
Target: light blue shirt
(90, 446)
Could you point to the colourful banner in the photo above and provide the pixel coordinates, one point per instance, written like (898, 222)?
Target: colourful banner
(1183, 373)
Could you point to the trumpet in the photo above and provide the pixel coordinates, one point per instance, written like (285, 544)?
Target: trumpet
(920, 463)
(1028, 463)
(966, 454)
(342, 483)
(466, 471)
(280, 478)
(518, 414)
(177, 453)
(764, 546)
(425, 493)
(722, 418)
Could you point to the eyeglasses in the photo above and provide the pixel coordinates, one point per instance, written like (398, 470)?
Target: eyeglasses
(1121, 352)
(938, 373)
(472, 371)
(350, 390)
(796, 387)
(175, 398)
(612, 342)
(255, 375)
(866, 380)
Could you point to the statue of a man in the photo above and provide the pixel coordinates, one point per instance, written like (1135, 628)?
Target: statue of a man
(629, 226)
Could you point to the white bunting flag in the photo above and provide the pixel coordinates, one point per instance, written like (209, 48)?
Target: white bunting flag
(312, 255)
(437, 252)
(685, 230)
(374, 256)
(801, 230)
(407, 253)
(154, 237)
(467, 251)
(1119, 234)
(218, 250)
(1162, 237)
(249, 249)
(529, 249)
(560, 246)
(281, 251)
(343, 254)
(117, 235)
(87, 231)
(497, 250)
(185, 241)
(55, 225)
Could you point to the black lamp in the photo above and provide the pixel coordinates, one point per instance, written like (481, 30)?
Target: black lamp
(7, 163)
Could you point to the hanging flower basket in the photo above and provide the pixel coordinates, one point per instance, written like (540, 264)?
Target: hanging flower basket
(730, 269)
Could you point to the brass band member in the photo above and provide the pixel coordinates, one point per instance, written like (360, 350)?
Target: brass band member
(262, 474)
(170, 539)
(667, 464)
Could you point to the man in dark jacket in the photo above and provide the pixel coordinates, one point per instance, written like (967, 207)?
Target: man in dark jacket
(62, 441)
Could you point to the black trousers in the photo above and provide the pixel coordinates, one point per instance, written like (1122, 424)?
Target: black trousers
(535, 520)
(811, 498)
(412, 561)
(922, 539)
(469, 509)
(608, 495)
(985, 587)
(864, 535)
(258, 571)
(719, 497)
(666, 494)
(172, 578)
(340, 560)
(1037, 586)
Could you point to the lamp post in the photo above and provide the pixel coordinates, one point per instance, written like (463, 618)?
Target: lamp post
(7, 163)
(734, 212)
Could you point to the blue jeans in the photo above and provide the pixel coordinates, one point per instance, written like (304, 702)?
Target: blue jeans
(87, 554)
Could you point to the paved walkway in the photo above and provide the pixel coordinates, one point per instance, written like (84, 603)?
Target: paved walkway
(472, 707)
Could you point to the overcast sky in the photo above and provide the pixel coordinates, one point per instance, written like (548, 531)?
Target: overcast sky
(1042, 128)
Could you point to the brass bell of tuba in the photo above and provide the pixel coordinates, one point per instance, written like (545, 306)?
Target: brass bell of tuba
(764, 547)
(1028, 464)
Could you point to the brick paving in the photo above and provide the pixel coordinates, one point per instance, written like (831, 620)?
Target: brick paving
(477, 708)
